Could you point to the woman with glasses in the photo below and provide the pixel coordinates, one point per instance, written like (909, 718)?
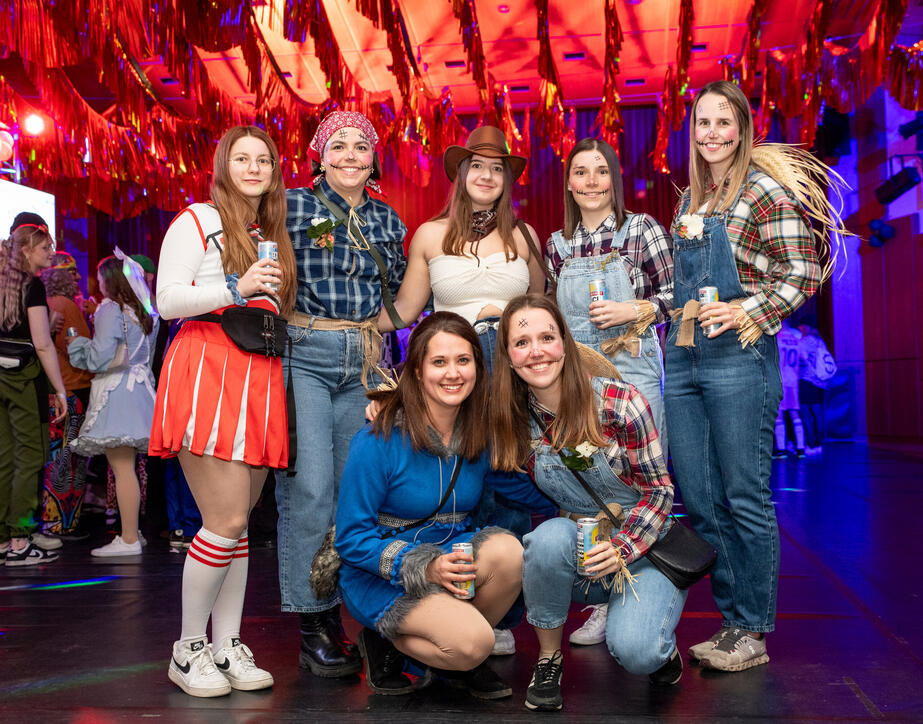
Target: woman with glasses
(221, 409)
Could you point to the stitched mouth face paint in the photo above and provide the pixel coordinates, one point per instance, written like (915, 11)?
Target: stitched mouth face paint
(589, 180)
(724, 144)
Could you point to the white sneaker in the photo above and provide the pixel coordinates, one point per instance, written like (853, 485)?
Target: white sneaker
(117, 547)
(192, 669)
(235, 661)
(45, 542)
(504, 643)
(594, 630)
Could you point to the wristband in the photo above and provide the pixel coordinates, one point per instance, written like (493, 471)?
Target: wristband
(62, 395)
(231, 280)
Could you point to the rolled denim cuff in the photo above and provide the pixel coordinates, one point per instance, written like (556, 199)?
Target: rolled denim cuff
(231, 280)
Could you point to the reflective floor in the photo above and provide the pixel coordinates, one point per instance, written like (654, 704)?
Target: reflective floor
(85, 640)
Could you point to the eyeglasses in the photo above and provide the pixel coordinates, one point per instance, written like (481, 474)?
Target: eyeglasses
(265, 163)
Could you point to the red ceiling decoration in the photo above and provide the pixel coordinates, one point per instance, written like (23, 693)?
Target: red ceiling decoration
(139, 92)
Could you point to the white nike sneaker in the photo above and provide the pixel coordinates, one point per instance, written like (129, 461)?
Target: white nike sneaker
(593, 630)
(235, 661)
(192, 669)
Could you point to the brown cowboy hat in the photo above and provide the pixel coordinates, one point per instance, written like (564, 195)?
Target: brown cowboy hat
(487, 141)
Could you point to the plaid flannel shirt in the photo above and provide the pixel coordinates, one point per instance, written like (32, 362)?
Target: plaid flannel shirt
(648, 249)
(774, 251)
(343, 283)
(635, 456)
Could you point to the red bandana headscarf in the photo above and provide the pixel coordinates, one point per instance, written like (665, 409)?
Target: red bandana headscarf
(334, 122)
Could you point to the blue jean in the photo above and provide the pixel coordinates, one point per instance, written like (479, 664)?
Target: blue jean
(330, 408)
(721, 404)
(640, 633)
(182, 511)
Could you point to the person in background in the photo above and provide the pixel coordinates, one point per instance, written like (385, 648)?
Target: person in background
(816, 367)
(631, 255)
(338, 228)
(789, 409)
(65, 475)
(28, 362)
(118, 419)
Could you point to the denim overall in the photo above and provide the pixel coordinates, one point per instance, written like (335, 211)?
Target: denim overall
(573, 296)
(721, 403)
(640, 633)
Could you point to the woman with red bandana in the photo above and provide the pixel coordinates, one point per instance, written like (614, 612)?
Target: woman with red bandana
(349, 255)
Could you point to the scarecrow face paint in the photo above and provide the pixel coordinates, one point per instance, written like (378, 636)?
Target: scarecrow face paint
(536, 348)
(589, 181)
(717, 133)
(348, 159)
(250, 167)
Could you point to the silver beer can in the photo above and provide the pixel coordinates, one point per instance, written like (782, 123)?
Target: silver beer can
(587, 538)
(71, 332)
(269, 250)
(706, 295)
(468, 586)
(597, 290)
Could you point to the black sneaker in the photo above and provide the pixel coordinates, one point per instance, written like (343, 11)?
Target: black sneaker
(31, 555)
(179, 541)
(483, 682)
(384, 665)
(544, 692)
(671, 672)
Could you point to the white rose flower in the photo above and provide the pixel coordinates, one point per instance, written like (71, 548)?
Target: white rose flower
(691, 226)
(586, 449)
(317, 220)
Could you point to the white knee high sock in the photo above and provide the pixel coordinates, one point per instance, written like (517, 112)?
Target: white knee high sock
(229, 605)
(799, 430)
(207, 564)
(780, 432)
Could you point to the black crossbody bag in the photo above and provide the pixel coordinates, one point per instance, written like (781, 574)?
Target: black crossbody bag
(681, 555)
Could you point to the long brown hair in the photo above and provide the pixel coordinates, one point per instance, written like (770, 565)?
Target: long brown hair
(119, 291)
(405, 406)
(60, 283)
(458, 211)
(740, 164)
(572, 214)
(15, 272)
(236, 214)
(576, 419)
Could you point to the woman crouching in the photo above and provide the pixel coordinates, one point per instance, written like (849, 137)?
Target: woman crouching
(410, 479)
(544, 401)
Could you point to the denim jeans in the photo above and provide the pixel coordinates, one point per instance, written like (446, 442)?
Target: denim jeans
(640, 633)
(330, 408)
(721, 404)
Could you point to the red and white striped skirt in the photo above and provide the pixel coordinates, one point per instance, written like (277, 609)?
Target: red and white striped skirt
(215, 399)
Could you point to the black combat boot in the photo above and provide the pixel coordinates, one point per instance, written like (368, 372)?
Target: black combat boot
(321, 652)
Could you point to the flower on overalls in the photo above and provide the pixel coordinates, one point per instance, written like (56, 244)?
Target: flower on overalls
(690, 226)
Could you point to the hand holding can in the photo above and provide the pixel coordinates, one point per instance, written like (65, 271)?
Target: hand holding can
(706, 295)
(269, 250)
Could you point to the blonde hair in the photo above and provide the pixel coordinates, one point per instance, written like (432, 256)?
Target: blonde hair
(740, 164)
(239, 250)
(15, 272)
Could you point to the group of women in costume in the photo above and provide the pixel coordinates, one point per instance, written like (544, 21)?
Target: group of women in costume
(497, 383)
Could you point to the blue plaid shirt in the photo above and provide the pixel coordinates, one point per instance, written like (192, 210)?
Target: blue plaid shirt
(343, 283)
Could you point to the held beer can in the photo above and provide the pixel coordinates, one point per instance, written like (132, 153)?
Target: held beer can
(587, 538)
(71, 332)
(706, 295)
(269, 250)
(468, 586)
(597, 290)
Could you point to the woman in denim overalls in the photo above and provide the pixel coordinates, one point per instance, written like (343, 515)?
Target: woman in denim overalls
(543, 401)
(740, 230)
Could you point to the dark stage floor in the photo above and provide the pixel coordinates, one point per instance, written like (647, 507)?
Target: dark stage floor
(89, 641)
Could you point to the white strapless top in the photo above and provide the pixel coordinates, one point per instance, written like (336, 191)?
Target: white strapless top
(465, 284)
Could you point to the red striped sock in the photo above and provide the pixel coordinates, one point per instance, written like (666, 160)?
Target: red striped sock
(207, 564)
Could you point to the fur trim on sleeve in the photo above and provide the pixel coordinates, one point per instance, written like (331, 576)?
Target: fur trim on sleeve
(413, 568)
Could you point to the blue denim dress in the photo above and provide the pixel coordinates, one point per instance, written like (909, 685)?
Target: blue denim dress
(721, 402)
(573, 296)
(640, 632)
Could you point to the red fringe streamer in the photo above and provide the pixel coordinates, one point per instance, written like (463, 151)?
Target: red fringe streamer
(662, 140)
(609, 118)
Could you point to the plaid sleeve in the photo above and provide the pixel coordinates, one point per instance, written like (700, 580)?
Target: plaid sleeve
(781, 262)
(627, 420)
(656, 257)
(553, 262)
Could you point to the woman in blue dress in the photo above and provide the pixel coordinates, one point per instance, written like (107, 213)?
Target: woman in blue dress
(399, 514)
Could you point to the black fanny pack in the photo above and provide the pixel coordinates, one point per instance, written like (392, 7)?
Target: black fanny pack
(15, 353)
(253, 329)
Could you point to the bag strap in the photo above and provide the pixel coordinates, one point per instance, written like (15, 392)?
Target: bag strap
(533, 249)
(373, 252)
(417, 523)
